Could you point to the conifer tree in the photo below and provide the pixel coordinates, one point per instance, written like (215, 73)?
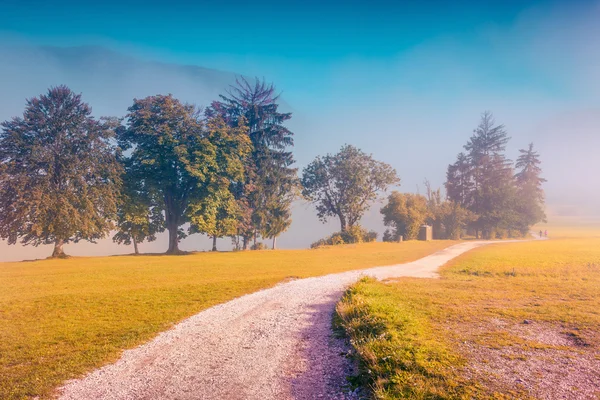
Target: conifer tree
(59, 177)
(483, 182)
(492, 175)
(268, 169)
(459, 181)
(530, 200)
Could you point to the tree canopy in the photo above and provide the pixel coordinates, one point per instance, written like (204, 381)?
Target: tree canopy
(345, 184)
(269, 174)
(138, 218)
(59, 177)
(405, 213)
(483, 182)
(181, 160)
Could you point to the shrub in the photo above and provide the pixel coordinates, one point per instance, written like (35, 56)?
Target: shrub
(258, 246)
(319, 243)
(370, 236)
(336, 239)
(354, 234)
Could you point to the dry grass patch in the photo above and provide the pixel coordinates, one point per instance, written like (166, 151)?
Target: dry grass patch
(504, 321)
(61, 318)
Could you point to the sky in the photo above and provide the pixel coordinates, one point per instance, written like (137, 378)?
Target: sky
(405, 81)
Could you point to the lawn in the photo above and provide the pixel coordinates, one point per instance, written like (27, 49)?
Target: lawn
(512, 320)
(61, 318)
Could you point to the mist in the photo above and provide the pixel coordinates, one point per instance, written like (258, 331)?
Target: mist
(540, 76)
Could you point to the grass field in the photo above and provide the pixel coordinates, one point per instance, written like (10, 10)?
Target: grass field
(61, 318)
(515, 320)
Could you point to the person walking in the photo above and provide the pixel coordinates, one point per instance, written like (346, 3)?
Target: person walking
(541, 233)
(546, 233)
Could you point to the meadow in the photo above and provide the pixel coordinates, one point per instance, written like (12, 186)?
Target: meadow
(62, 318)
(511, 320)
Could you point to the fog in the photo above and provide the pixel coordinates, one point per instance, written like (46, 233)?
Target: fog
(540, 77)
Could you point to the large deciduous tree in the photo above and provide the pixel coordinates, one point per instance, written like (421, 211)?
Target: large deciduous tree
(181, 160)
(268, 170)
(138, 217)
(345, 184)
(59, 177)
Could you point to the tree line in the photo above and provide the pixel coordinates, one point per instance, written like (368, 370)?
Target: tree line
(486, 194)
(227, 171)
(66, 176)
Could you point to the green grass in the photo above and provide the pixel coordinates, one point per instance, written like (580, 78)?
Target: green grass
(61, 318)
(408, 333)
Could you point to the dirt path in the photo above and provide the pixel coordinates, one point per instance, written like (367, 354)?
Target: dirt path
(272, 344)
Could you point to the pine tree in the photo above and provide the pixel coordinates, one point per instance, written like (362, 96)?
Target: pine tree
(59, 177)
(530, 193)
(269, 169)
(492, 176)
(460, 186)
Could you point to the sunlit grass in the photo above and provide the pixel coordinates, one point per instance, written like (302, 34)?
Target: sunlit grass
(408, 332)
(60, 318)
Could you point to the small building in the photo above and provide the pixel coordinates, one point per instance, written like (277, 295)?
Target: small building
(425, 233)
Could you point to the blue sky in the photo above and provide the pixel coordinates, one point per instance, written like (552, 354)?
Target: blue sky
(303, 45)
(405, 81)
(313, 30)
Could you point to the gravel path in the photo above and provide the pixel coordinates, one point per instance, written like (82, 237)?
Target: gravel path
(272, 344)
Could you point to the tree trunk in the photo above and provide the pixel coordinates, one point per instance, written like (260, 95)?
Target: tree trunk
(58, 249)
(172, 217)
(214, 248)
(135, 246)
(343, 225)
(274, 242)
(173, 239)
(245, 243)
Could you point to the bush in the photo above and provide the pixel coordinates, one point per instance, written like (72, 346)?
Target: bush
(371, 236)
(336, 239)
(258, 246)
(354, 234)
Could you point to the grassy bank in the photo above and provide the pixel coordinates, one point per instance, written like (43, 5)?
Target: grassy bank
(504, 321)
(61, 318)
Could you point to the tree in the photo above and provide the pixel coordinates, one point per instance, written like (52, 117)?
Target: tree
(268, 170)
(278, 215)
(138, 219)
(481, 180)
(344, 185)
(459, 181)
(530, 194)
(435, 210)
(405, 213)
(181, 161)
(59, 177)
(454, 218)
(217, 215)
